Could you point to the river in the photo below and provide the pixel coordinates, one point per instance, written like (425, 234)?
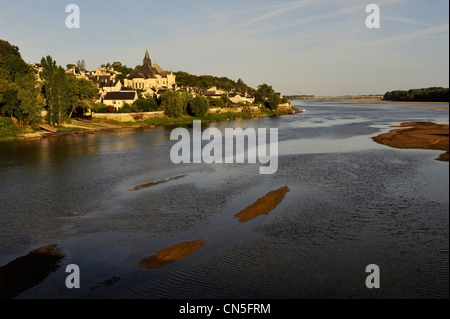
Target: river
(351, 203)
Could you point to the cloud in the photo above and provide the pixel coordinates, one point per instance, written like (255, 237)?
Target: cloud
(405, 20)
(416, 34)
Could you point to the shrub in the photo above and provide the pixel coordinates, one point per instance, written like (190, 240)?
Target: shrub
(146, 105)
(172, 104)
(273, 101)
(125, 109)
(199, 106)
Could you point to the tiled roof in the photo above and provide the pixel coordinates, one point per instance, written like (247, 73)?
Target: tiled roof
(120, 95)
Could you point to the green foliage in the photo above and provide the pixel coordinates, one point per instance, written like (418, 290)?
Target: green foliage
(121, 77)
(259, 98)
(172, 104)
(7, 49)
(186, 98)
(126, 108)
(432, 94)
(265, 90)
(19, 92)
(7, 128)
(13, 67)
(273, 100)
(118, 67)
(81, 65)
(226, 102)
(199, 106)
(56, 88)
(100, 108)
(80, 94)
(186, 79)
(145, 105)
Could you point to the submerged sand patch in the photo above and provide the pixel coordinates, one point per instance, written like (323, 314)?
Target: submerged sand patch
(420, 135)
(172, 254)
(263, 205)
(147, 185)
(27, 271)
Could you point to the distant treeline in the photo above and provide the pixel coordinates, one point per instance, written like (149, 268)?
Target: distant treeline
(224, 83)
(433, 94)
(300, 97)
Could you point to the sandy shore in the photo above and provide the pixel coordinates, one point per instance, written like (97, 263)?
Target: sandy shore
(418, 135)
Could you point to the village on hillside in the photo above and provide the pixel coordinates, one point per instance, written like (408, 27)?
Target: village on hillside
(149, 81)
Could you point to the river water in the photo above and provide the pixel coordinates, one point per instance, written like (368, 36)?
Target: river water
(352, 202)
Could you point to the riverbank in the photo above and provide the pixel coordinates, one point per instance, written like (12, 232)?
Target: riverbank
(90, 126)
(418, 135)
(388, 101)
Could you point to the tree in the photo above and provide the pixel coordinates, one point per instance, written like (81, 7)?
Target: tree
(30, 100)
(225, 100)
(81, 65)
(19, 91)
(273, 101)
(265, 90)
(81, 94)
(186, 97)
(199, 106)
(146, 105)
(172, 104)
(14, 67)
(56, 90)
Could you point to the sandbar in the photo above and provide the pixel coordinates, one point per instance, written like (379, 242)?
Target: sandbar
(263, 205)
(172, 254)
(147, 185)
(27, 271)
(418, 135)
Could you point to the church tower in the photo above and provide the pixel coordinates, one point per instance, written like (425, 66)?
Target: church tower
(147, 59)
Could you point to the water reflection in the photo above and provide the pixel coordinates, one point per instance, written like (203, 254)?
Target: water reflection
(351, 202)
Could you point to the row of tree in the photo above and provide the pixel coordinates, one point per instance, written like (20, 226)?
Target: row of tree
(173, 103)
(224, 83)
(432, 94)
(20, 94)
(23, 97)
(65, 94)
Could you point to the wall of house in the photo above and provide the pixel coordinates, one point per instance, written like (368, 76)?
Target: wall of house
(284, 107)
(129, 117)
(218, 110)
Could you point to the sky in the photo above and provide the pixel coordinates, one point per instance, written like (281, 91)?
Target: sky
(318, 47)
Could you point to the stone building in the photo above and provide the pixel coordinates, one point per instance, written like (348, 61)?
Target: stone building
(150, 76)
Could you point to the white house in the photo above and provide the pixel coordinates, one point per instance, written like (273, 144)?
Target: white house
(118, 99)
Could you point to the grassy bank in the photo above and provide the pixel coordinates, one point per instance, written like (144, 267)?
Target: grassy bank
(189, 119)
(8, 131)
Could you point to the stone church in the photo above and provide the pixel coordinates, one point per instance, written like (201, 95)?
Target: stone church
(150, 76)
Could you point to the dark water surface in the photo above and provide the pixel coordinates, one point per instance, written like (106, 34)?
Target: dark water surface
(352, 202)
